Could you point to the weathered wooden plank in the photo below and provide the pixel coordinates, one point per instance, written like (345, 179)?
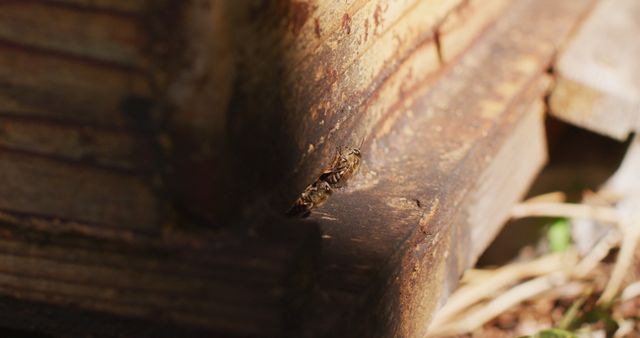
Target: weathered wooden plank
(497, 181)
(334, 97)
(100, 36)
(224, 282)
(597, 74)
(408, 221)
(310, 77)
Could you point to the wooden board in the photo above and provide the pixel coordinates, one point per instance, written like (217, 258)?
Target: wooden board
(598, 73)
(91, 243)
(440, 169)
(228, 283)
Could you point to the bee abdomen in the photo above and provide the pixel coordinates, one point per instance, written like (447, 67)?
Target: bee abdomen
(314, 195)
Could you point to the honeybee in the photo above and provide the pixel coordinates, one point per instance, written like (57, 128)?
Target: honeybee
(314, 195)
(345, 164)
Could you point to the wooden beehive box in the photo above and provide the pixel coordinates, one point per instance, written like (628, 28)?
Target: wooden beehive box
(149, 150)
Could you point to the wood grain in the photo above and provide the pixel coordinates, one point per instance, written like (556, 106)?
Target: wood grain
(421, 210)
(147, 184)
(68, 30)
(215, 283)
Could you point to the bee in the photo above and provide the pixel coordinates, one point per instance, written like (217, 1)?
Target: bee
(345, 164)
(314, 195)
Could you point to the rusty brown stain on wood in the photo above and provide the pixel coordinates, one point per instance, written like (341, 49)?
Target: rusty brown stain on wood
(436, 40)
(366, 29)
(377, 17)
(316, 28)
(346, 23)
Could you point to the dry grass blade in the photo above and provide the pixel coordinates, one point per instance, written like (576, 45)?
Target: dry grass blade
(625, 330)
(598, 253)
(472, 293)
(482, 314)
(476, 276)
(551, 197)
(631, 291)
(465, 311)
(568, 210)
(624, 261)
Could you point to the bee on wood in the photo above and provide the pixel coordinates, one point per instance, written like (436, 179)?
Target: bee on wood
(314, 195)
(345, 164)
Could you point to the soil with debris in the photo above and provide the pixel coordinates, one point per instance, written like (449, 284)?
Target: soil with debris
(535, 317)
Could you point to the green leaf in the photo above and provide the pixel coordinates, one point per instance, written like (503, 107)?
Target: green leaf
(603, 315)
(573, 316)
(559, 235)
